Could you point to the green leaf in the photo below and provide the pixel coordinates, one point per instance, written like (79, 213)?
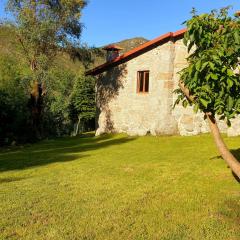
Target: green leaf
(185, 103)
(236, 37)
(190, 46)
(185, 41)
(230, 72)
(229, 82)
(198, 65)
(195, 108)
(203, 66)
(208, 77)
(204, 102)
(230, 103)
(192, 37)
(212, 66)
(214, 76)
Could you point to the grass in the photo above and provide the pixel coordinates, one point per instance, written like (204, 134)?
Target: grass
(119, 187)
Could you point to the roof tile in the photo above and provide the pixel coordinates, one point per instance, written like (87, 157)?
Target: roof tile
(136, 52)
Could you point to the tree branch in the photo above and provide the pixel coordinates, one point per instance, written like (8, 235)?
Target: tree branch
(186, 91)
(24, 48)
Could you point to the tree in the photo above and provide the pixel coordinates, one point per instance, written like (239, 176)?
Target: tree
(44, 28)
(56, 118)
(82, 101)
(211, 81)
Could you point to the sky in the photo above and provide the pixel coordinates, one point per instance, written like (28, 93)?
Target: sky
(108, 21)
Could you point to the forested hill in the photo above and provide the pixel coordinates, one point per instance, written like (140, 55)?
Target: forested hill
(126, 44)
(131, 43)
(8, 45)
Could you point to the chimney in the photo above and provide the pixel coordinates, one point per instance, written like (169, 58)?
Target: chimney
(113, 51)
(237, 13)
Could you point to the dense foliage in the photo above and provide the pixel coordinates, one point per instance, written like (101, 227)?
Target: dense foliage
(39, 81)
(13, 102)
(43, 29)
(212, 75)
(82, 102)
(69, 95)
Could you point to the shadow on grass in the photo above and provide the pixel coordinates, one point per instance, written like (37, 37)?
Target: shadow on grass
(11, 179)
(60, 150)
(236, 154)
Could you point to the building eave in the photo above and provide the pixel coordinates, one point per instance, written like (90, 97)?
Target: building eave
(137, 51)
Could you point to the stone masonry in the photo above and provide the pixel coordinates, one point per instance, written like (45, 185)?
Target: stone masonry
(122, 109)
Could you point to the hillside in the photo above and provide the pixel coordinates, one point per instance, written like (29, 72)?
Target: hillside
(131, 43)
(126, 44)
(9, 46)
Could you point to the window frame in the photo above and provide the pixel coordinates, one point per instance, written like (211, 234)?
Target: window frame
(144, 81)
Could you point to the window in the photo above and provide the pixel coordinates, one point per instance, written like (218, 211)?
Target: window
(143, 81)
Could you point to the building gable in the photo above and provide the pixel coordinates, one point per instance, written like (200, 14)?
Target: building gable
(137, 51)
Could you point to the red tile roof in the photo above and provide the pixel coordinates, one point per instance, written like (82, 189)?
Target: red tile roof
(136, 52)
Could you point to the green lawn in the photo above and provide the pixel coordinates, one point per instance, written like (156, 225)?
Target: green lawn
(119, 187)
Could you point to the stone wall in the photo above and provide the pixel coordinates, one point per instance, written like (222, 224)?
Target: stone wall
(188, 122)
(139, 113)
(122, 109)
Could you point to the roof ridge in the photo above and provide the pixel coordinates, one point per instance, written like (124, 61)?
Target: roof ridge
(101, 68)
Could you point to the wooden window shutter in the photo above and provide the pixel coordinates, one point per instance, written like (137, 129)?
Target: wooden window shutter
(143, 81)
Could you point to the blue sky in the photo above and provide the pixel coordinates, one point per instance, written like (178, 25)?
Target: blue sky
(108, 21)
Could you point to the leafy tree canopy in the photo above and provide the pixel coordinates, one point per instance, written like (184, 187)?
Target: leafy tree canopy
(44, 27)
(82, 100)
(212, 74)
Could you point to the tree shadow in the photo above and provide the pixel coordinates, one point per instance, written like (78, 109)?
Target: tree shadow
(11, 179)
(52, 151)
(108, 87)
(236, 154)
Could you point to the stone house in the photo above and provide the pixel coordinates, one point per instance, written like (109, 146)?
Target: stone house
(134, 91)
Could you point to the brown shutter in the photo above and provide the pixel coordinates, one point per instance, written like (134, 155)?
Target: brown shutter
(142, 81)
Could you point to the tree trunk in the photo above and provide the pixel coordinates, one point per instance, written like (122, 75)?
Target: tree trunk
(221, 146)
(36, 102)
(77, 128)
(35, 105)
